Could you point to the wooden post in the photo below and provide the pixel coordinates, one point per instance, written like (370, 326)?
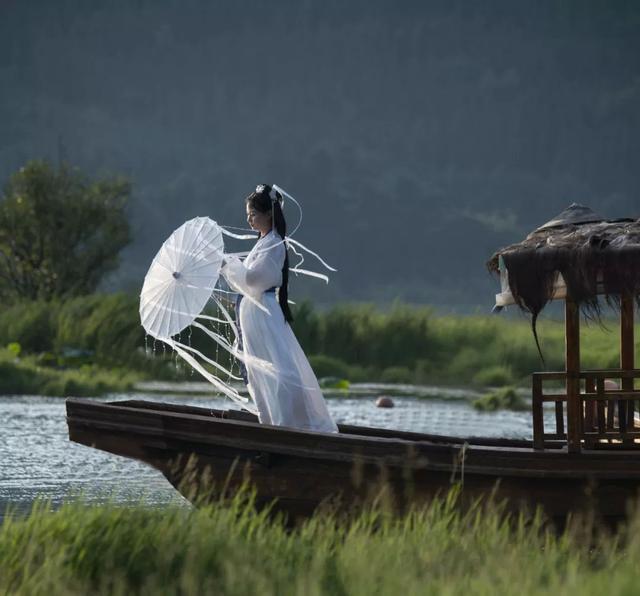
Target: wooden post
(602, 422)
(572, 368)
(627, 360)
(590, 411)
(538, 415)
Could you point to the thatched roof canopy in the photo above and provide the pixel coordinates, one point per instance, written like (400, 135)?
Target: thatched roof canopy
(593, 255)
(573, 214)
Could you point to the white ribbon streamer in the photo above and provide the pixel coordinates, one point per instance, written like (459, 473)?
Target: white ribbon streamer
(212, 362)
(321, 276)
(248, 360)
(217, 383)
(316, 255)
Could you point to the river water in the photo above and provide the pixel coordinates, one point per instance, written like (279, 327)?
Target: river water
(37, 460)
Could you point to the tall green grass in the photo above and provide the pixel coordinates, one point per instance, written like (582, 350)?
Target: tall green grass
(231, 549)
(85, 346)
(25, 375)
(354, 341)
(415, 344)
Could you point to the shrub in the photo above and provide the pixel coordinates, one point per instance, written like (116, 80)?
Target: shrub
(397, 374)
(464, 361)
(307, 327)
(325, 366)
(15, 380)
(494, 376)
(28, 377)
(30, 324)
(14, 348)
(502, 399)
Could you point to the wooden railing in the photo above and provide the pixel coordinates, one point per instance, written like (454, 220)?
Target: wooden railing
(606, 415)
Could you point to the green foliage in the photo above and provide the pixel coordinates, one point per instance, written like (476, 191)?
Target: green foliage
(107, 325)
(397, 374)
(502, 399)
(334, 368)
(306, 326)
(342, 385)
(60, 233)
(360, 334)
(413, 344)
(29, 324)
(14, 348)
(464, 360)
(18, 380)
(31, 376)
(229, 548)
(493, 376)
(326, 366)
(353, 342)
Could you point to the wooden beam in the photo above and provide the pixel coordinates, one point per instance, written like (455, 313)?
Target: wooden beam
(626, 410)
(590, 413)
(537, 412)
(572, 368)
(602, 422)
(627, 355)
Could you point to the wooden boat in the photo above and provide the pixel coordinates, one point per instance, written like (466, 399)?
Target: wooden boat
(590, 460)
(302, 470)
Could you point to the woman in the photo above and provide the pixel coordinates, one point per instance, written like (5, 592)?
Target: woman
(292, 396)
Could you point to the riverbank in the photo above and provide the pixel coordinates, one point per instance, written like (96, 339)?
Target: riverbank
(25, 375)
(95, 344)
(229, 548)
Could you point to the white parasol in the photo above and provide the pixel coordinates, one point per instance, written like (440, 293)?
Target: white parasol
(181, 278)
(176, 289)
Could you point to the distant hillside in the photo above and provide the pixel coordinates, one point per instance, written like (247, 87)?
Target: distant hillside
(419, 135)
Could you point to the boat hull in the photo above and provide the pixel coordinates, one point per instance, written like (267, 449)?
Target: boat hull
(207, 454)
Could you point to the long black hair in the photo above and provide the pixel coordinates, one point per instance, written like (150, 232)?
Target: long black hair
(261, 200)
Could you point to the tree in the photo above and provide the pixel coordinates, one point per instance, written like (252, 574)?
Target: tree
(60, 232)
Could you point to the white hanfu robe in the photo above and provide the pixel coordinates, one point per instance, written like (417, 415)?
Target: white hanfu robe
(292, 396)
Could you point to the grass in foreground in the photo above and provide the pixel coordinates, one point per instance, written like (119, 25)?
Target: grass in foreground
(231, 549)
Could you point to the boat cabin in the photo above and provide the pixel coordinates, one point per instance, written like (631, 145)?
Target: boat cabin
(586, 261)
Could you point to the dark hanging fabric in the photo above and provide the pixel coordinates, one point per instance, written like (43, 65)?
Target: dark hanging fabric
(532, 277)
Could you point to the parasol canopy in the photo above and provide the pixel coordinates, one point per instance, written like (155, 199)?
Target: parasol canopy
(181, 278)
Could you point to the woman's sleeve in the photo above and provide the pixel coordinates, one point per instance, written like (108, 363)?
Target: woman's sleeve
(265, 272)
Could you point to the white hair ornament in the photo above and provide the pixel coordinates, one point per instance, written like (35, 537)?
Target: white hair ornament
(277, 193)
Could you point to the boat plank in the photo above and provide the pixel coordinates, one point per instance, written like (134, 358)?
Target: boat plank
(390, 452)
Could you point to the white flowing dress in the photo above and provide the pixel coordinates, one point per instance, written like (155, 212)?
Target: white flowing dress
(292, 396)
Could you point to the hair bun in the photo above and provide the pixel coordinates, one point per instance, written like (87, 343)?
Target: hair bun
(274, 195)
